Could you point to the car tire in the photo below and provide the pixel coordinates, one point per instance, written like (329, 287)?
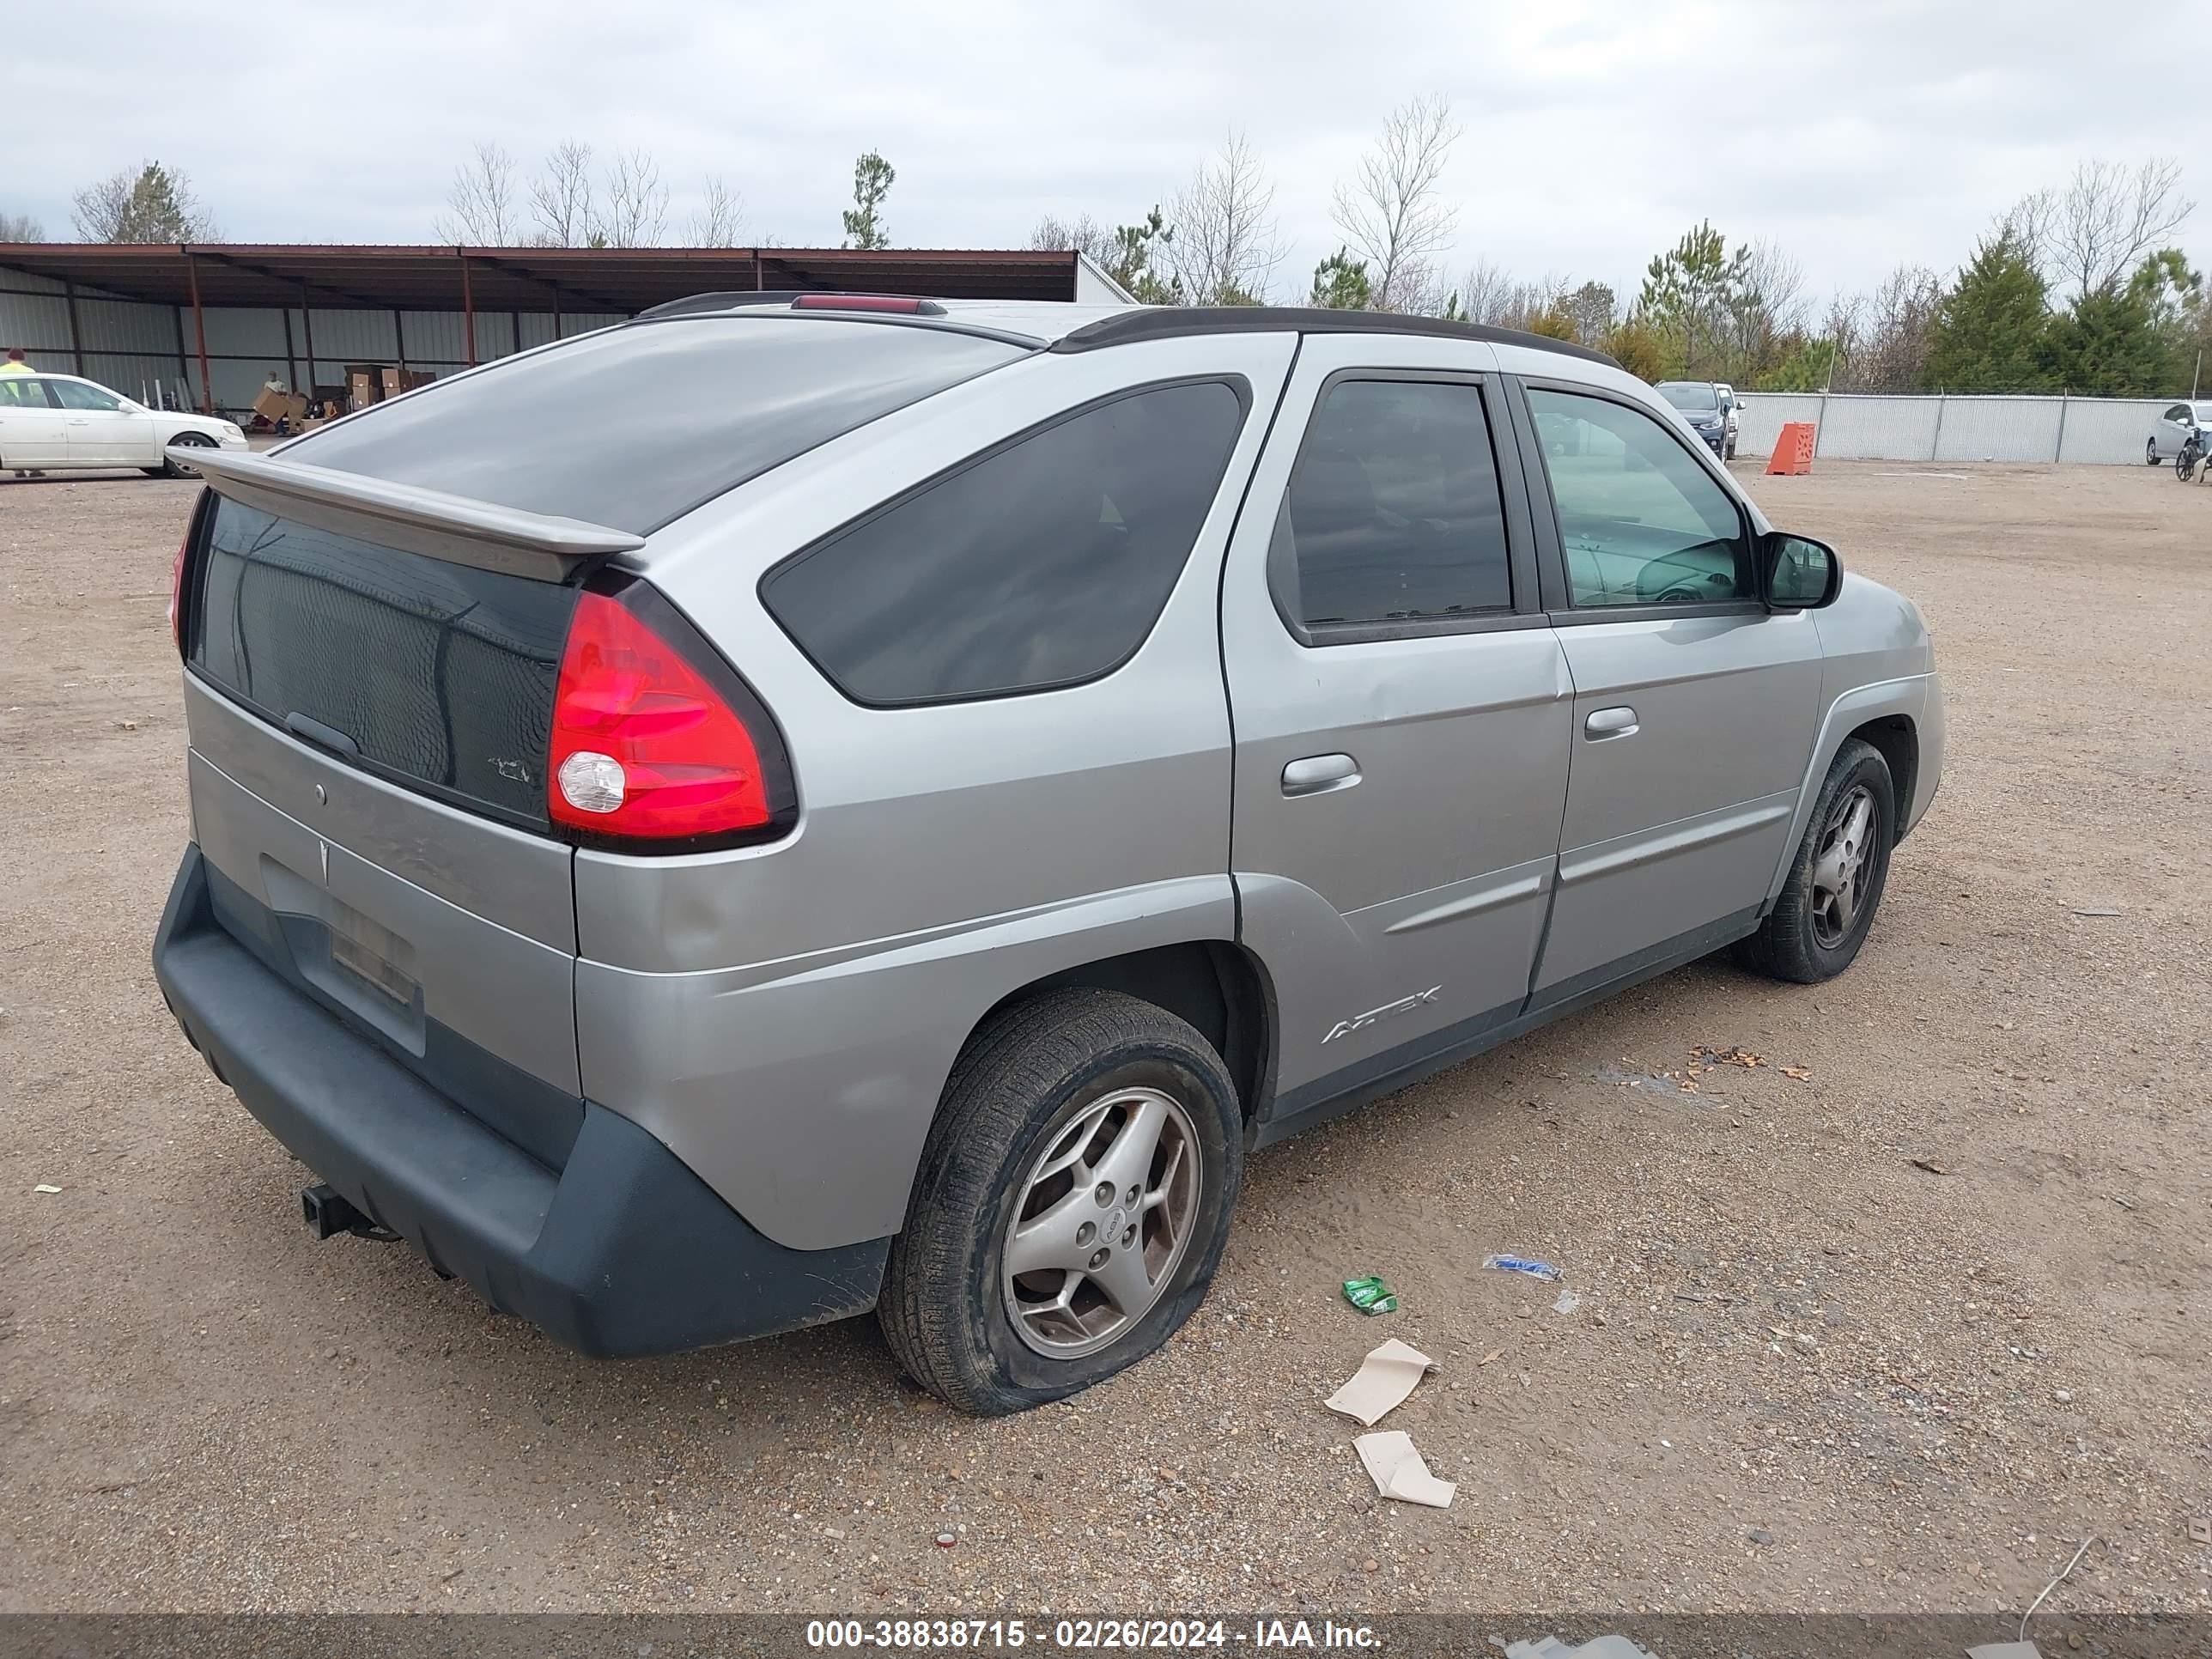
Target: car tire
(169, 468)
(1835, 882)
(2150, 452)
(1037, 1105)
(1730, 454)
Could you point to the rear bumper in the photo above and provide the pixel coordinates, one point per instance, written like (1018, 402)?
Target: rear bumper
(622, 1252)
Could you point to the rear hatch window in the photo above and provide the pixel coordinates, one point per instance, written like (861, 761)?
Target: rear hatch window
(440, 676)
(634, 427)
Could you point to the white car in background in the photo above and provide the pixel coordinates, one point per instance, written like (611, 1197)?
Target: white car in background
(2172, 430)
(49, 422)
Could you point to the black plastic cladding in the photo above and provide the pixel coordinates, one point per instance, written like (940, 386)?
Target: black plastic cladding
(1169, 322)
(659, 613)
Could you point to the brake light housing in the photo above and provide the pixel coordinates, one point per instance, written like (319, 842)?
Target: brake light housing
(657, 743)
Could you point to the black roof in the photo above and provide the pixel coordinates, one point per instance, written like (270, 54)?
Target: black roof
(1168, 322)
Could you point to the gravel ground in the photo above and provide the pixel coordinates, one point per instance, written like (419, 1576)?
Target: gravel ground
(1807, 1372)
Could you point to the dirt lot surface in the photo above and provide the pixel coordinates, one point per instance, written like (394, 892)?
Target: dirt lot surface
(1807, 1371)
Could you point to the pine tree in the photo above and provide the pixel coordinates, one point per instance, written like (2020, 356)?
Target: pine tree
(871, 182)
(1341, 282)
(1132, 263)
(152, 205)
(1990, 324)
(1689, 294)
(2108, 345)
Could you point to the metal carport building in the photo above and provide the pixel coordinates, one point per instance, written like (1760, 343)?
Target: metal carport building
(209, 322)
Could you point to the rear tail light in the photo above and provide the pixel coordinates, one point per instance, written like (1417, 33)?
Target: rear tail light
(655, 740)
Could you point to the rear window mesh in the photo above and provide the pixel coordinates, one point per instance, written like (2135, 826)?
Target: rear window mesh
(442, 674)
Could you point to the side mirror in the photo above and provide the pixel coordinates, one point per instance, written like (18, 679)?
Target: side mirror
(1796, 572)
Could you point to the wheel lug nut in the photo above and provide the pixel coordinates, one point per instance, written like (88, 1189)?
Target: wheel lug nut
(1129, 1237)
(1104, 1193)
(1098, 1260)
(1135, 1192)
(1083, 1234)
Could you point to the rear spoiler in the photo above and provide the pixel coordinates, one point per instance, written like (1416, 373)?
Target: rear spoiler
(413, 519)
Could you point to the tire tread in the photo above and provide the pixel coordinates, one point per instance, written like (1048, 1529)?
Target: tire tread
(1783, 948)
(1020, 1056)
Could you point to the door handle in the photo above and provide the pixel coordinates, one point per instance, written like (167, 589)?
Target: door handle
(1316, 774)
(1604, 723)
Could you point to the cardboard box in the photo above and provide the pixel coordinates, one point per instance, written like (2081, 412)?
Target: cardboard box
(362, 387)
(272, 404)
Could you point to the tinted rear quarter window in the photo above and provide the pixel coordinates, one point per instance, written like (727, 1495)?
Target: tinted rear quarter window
(1043, 563)
(634, 427)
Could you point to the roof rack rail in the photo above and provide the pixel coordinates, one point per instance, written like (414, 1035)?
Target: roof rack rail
(1169, 322)
(907, 310)
(724, 300)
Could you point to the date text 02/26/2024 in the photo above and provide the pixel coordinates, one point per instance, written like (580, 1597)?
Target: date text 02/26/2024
(1085, 1634)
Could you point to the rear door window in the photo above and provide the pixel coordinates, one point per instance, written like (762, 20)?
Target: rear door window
(1042, 563)
(634, 427)
(22, 391)
(1393, 514)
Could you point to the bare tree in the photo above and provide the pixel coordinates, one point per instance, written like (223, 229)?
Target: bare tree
(2093, 232)
(21, 227)
(1893, 357)
(1593, 309)
(637, 203)
(1487, 294)
(1778, 280)
(480, 208)
(1225, 250)
(1844, 326)
(1767, 305)
(1391, 210)
(1492, 296)
(720, 216)
(1083, 233)
(560, 197)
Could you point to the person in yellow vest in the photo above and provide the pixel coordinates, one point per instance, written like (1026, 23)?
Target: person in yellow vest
(15, 365)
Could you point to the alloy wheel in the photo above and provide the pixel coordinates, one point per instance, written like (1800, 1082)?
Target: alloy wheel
(1103, 1222)
(1841, 863)
(190, 440)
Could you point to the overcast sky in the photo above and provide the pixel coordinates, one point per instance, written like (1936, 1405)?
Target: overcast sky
(1857, 136)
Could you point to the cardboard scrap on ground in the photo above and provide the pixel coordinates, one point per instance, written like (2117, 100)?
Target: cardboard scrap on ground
(1385, 1377)
(1398, 1471)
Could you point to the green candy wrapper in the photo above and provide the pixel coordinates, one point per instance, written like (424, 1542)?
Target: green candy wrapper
(1370, 1295)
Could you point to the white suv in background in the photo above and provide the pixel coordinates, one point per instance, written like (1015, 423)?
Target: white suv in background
(51, 422)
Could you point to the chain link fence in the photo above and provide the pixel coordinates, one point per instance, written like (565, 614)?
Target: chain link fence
(1880, 426)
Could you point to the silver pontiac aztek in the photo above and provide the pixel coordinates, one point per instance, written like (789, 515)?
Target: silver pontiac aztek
(797, 804)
